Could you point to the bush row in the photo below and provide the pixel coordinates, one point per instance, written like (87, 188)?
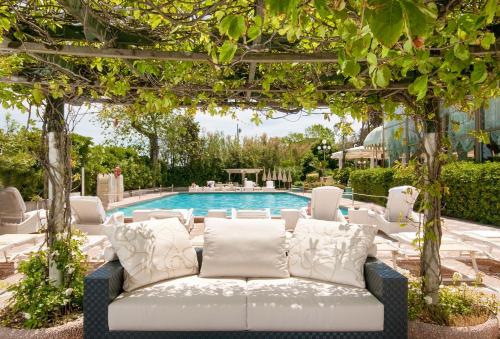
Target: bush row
(474, 189)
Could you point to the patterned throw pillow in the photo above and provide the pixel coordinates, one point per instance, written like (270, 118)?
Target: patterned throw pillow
(153, 250)
(330, 251)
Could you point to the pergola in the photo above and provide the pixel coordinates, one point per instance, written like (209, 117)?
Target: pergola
(243, 172)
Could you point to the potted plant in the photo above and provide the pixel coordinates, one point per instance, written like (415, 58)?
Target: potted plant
(463, 312)
(40, 307)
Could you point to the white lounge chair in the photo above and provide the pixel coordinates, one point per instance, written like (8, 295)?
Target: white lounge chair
(13, 216)
(185, 216)
(449, 245)
(398, 215)
(489, 239)
(325, 203)
(264, 213)
(269, 186)
(9, 242)
(88, 215)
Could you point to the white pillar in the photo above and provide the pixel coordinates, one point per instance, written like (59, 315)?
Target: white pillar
(82, 180)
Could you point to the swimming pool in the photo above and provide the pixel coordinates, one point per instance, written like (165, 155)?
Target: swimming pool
(202, 202)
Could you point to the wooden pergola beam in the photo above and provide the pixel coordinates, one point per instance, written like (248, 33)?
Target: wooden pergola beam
(144, 54)
(193, 89)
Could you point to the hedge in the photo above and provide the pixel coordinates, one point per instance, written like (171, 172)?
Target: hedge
(474, 189)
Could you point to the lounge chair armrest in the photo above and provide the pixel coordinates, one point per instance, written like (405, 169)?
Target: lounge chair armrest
(391, 288)
(100, 288)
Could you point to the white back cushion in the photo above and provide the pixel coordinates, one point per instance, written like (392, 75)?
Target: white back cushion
(12, 206)
(253, 214)
(87, 210)
(143, 215)
(153, 250)
(400, 203)
(330, 251)
(244, 248)
(325, 202)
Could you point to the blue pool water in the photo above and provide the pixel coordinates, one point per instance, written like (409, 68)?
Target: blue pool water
(202, 202)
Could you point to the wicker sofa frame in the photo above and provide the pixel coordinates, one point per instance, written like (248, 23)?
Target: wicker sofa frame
(105, 284)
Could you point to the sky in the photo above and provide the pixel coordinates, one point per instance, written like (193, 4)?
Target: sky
(87, 126)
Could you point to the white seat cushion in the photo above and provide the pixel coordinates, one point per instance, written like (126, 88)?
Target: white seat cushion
(183, 304)
(298, 304)
(87, 210)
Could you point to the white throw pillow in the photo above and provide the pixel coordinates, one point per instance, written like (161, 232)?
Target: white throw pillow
(244, 248)
(151, 251)
(330, 251)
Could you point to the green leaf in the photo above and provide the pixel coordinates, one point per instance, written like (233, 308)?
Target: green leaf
(385, 19)
(490, 9)
(418, 18)
(37, 95)
(461, 52)
(322, 8)
(382, 76)
(479, 74)
(227, 51)
(350, 68)
(282, 6)
(233, 26)
(253, 32)
(419, 87)
(371, 58)
(487, 40)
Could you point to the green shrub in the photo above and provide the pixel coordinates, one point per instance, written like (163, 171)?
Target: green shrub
(474, 189)
(459, 305)
(37, 302)
(373, 181)
(341, 175)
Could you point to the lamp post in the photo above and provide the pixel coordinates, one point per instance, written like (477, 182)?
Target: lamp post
(324, 148)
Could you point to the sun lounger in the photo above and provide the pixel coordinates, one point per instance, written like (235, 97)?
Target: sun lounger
(449, 245)
(185, 216)
(9, 242)
(88, 215)
(13, 216)
(264, 213)
(490, 239)
(398, 215)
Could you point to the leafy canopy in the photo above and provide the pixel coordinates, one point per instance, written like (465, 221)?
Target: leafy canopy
(398, 50)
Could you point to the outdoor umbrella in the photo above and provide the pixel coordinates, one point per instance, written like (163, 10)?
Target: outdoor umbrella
(289, 178)
(274, 175)
(264, 175)
(280, 175)
(269, 176)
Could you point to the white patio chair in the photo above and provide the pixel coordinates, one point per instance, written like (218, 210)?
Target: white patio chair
(264, 213)
(13, 216)
(398, 215)
(325, 203)
(88, 215)
(185, 216)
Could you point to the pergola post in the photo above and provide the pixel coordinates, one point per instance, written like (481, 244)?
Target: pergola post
(58, 170)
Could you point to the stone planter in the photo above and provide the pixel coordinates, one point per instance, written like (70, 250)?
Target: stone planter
(69, 330)
(488, 330)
